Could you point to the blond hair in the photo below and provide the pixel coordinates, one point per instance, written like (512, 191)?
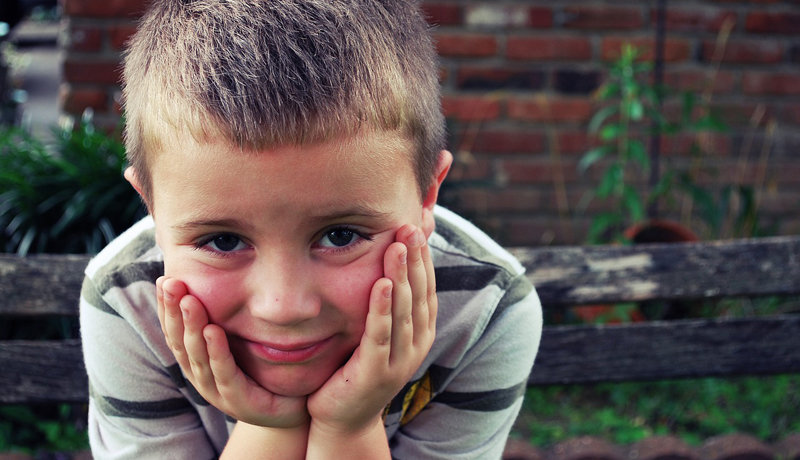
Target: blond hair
(267, 73)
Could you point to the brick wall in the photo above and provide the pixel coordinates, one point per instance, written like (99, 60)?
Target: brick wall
(518, 78)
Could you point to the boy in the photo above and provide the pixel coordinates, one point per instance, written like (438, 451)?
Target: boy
(290, 156)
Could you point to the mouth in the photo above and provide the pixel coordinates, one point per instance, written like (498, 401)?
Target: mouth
(289, 353)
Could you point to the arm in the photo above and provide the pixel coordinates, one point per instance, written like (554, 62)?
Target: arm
(400, 328)
(138, 407)
(477, 389)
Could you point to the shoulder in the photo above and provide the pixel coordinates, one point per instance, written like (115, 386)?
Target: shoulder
(131, 257)
(480, 287)
(467, 259)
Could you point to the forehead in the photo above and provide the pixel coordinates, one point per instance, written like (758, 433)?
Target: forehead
(352, 168)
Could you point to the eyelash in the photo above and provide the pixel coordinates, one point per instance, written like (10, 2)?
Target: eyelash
(362, 237)
(203, 244)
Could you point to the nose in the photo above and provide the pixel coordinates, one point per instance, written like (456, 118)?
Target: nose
(282, 292)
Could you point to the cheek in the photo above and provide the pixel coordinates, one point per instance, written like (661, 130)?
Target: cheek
(349, 287)
(217, 290)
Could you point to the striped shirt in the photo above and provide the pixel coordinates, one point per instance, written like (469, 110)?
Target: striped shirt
(461, 403)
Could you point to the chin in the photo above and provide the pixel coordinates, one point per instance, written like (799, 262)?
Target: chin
(293, 388)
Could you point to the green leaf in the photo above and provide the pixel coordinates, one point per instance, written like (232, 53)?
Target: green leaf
(610, 182)
(633, 203)
(591, 157)
(600, 117)
(610, 132)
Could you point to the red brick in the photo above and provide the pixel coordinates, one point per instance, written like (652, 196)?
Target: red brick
(548, 48)
(537, 170)
(586, 17)
(662, 447)
(573, 141)
(540, 17)
(471, 108)
(507, 141)
(733, 446)
(85, 38)
(675, 49)
(465, 45)
(443, 13)
(703, 20)
(120, 34)
(789, 447)
(587, 447)
(771, 83)
(746, 51)
(104, 8)
(484, 78)
(520, 450)
(549, 109)
(100, 72)
(467, 167)
(698, 80)
(76, 100)
(773, 23)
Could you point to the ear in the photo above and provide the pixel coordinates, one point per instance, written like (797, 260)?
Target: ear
(432, 193)
(133, 178)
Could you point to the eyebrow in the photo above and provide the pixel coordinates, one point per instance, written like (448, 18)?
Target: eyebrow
(337, 214)
(351, 211)
(205, 223)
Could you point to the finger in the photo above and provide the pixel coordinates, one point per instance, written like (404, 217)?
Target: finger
(376, 343)
(430, 278)
(396, 269)
(160, 303)
(417, 277)
(229, 378)
(172, 326)
(194, 320)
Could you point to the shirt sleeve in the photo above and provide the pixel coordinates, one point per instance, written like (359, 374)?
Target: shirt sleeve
(473, 414)
(139, 405)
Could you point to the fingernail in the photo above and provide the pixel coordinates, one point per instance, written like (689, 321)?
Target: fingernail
(387, 291)
(416, 238)
(404, 257)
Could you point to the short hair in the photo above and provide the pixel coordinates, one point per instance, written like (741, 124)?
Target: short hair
(269, 73)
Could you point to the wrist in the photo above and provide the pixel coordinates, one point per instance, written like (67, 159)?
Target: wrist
(257, 442)
(367, 441)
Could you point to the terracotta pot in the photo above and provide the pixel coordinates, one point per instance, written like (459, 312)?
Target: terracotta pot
(660, 231)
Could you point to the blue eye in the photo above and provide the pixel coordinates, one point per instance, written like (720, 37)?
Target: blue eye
(224, 242)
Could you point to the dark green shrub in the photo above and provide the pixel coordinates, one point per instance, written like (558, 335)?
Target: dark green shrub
(68, 197)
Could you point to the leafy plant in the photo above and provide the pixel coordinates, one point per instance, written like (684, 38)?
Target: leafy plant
(692, 409)
(68, 197)
(630, 112)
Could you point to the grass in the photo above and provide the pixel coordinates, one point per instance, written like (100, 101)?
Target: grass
(692, 409)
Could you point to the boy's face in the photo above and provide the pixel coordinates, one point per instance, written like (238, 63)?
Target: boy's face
(283, 246)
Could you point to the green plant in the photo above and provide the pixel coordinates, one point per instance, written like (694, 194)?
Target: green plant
(692, 409)
(66, 197)
(630, 111)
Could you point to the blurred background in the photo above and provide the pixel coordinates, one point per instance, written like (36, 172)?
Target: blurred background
(571, 122)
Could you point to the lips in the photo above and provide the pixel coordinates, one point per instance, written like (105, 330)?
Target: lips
(288, 353)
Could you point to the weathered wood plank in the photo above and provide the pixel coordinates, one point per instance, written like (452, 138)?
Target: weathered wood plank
(54, 372)
(569, 275)
(46, 371)
(608, 274)
(41, 284)
(664, 350)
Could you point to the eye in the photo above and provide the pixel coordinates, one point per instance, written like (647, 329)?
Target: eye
(341, 238)
(223, 242)
(338, 237)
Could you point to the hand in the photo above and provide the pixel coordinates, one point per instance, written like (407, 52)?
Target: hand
(202, 352)
(399, 331)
